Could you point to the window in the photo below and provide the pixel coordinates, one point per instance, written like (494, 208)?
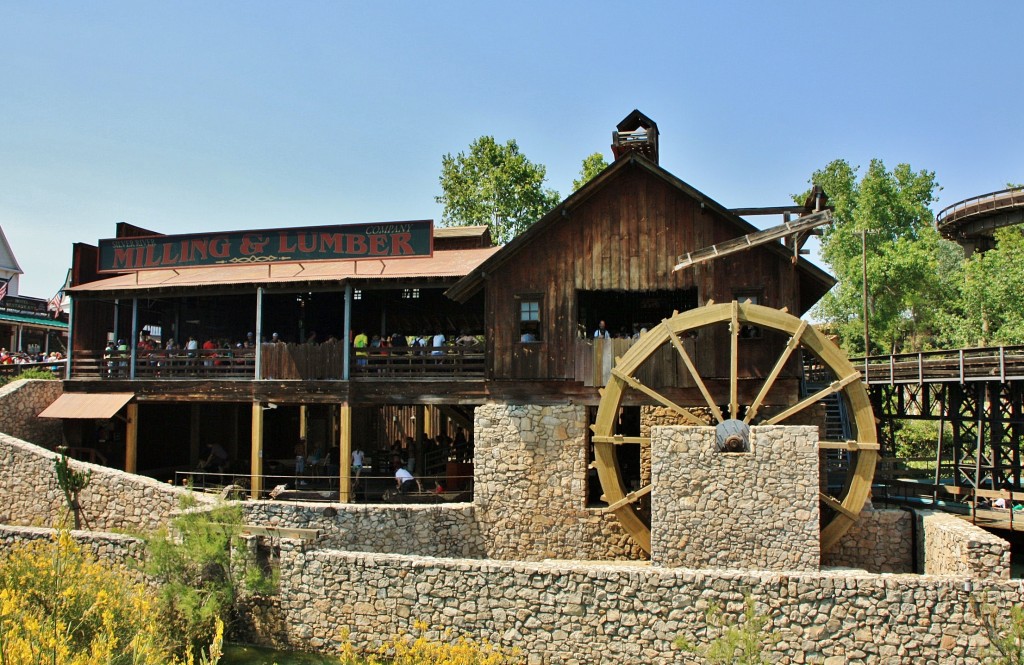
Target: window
(754, 297)
(357, 294)
(409, 294)
(529, 318)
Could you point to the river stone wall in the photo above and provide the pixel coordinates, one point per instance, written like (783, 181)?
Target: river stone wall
(113, 500)
(950, 545)
(20, 405)
(756, 509)
(530, 486)
(576, 613)
(444, 530)
(880, 541)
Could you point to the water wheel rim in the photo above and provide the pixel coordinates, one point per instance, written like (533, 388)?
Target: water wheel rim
(857, 487)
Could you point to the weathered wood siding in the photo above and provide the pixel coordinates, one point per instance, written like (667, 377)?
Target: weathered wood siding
(627, 237)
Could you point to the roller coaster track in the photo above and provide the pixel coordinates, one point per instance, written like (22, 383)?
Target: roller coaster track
(972, 221)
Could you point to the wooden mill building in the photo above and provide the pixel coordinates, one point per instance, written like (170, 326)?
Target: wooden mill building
(605, 253)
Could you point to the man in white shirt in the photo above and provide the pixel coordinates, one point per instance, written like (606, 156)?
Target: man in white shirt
(602, 332)
(438, 345)
(405, 481)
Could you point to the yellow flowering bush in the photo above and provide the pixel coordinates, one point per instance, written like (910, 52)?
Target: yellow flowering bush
(60, 606)
(417, 649)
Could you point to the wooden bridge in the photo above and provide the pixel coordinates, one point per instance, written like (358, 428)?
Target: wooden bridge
(976, 396)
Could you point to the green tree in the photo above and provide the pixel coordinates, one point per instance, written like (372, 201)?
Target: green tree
(990, 309)
(495, 185)
(592, 166)
(910, 268)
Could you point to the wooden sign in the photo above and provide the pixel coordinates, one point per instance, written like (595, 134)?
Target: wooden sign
(384, 240)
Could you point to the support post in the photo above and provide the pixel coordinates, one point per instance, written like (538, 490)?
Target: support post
(259, 333)
(71, 346)
(131, 438)
(345, 453)
(133, 339)
(346, 358)
(256, 481)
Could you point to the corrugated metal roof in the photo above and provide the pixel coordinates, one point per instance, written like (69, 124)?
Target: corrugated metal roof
(31, 320)
(459, 231)
(448, 263)
(92, 405)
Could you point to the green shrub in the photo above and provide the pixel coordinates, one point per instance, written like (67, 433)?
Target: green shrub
(202, 567)
(735, 642)
(61, 606)
(917, 438)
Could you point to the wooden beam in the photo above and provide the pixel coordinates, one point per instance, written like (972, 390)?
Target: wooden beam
(344, 453)
(632, 497)
(256, 454)
(131, 437)
(848, 445)
(618, 439)
(744, 243)
(835, 505)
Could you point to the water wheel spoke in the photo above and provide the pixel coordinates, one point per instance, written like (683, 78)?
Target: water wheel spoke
(836, 505)
(734, 361)
(630, 498)
(676, 342)
(834, 387)
(791, 346)
(655, 395)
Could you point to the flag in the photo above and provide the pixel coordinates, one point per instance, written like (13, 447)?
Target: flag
(56, 303)
(3, 288)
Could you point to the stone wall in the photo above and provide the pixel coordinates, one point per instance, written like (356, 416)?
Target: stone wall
(756, 509)
(118, 550)
(881, 541)
(530, 486)
(949, 545)
(113, 500)
(20, 404)
(445, 530)
(576, 613)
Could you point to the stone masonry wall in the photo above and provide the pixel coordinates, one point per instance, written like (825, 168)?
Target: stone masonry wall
(444, 530)
(756, 510)
(575, 613)
(949, 545)
(124, 552)
(881, 541)
(20, 404)
(29, 494)
(530, 486)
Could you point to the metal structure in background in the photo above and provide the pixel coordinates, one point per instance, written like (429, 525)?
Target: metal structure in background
(977, 397)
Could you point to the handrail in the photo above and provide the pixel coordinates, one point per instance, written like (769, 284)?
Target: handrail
(990, 363)
(951, 211)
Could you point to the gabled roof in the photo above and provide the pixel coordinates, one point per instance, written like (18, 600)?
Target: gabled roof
(7, 260)
(474, 281)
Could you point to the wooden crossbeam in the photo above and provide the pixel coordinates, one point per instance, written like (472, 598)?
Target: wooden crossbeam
(632, 497)
(743, 243)
(835, 505)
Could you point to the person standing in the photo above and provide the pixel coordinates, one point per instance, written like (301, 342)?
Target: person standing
(602, 331)
(360, 343)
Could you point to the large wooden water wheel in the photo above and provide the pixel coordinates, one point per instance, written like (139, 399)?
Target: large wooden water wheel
(840, 508)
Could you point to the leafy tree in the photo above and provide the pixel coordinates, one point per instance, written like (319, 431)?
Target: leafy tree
(592, 166)
(495, 185)
(990, 310)
(910, 268)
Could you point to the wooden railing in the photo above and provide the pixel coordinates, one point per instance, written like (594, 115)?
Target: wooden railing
(998, 363)
(169, 365)
(288, 362)
(992, 202)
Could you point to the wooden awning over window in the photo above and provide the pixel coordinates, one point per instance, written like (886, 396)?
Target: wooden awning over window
(87, 405)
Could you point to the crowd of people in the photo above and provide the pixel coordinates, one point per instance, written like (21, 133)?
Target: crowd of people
(20, 357)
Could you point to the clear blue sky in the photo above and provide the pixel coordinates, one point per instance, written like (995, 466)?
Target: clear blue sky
(212, 116)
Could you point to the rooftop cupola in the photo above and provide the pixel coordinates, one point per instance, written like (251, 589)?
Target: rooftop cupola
(636, 133)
